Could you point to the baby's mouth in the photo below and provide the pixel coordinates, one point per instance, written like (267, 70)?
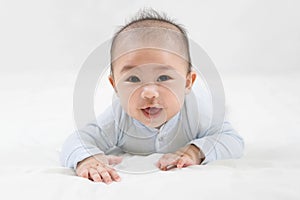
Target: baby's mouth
(151, 112)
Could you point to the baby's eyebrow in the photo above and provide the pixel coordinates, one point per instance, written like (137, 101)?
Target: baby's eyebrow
(165, 67)
(126, 68)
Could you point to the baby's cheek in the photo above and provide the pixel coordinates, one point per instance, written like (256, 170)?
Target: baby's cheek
(129, 101)
(125, 94)
(174, 104)
(173, 98)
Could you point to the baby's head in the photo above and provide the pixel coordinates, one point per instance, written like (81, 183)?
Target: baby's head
(150, 68)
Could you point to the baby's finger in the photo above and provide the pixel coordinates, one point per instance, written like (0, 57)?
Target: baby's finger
(83, 173)
(157, 164)
(104, 175)
(94, 175)
(184, 161)
(161, 163)
(168, 160)
(114, 175)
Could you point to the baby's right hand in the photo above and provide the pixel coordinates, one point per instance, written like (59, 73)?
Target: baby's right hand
(97, 168)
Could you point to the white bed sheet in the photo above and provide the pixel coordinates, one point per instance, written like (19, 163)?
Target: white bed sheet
(36, 112)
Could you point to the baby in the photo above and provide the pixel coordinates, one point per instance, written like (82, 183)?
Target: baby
(155, 109)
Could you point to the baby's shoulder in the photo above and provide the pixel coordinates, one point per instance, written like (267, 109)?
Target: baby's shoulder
(198, 108)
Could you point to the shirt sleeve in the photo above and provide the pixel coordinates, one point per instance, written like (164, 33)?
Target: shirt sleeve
(96, 137)
(215, 137)
(220, 144)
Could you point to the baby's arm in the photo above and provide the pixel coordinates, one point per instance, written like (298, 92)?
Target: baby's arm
(214, 142)
(220, 143)
(94, 139)
(211, 145)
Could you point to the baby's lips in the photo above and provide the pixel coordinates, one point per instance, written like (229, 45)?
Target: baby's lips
(152, 110)
(151, 106)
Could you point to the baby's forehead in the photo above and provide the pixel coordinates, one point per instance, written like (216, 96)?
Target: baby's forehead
(160, 38)
(149, 67)
(149, 58)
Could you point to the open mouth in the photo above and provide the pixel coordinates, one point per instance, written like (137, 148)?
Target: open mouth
(151, 112)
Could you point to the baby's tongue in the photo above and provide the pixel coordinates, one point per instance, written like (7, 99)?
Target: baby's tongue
(152, 110)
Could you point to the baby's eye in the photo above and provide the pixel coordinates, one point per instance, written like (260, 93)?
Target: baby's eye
(133, 79)
(163, 78)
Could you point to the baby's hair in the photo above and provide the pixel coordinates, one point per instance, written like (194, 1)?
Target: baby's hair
(149, 17)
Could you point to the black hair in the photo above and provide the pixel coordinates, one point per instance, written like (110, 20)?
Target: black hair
(149, 14)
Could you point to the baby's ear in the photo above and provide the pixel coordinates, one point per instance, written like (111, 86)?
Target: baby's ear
(190, 79)
(112, 82)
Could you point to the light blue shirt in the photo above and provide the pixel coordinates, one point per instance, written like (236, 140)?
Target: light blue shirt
(192, 125)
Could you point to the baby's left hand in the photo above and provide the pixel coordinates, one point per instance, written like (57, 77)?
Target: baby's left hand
(184, 157)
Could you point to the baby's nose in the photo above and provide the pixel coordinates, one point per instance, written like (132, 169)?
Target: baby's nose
(150, 91)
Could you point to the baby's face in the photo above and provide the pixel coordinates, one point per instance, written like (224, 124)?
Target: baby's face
(151, 84)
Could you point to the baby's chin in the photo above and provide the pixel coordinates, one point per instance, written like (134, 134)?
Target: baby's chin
(152, 124)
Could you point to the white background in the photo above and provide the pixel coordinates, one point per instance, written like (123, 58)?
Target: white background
(255, 46)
